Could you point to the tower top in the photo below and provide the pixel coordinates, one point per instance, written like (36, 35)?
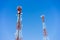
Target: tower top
(19, 9)
(42, 18)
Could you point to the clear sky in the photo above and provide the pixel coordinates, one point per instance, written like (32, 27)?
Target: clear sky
(32, 23)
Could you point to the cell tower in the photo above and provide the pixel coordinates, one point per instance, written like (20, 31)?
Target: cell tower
(19, 28)
(44, 28)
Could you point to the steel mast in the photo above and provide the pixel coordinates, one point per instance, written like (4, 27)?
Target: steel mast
(18, 27)
(44, 28)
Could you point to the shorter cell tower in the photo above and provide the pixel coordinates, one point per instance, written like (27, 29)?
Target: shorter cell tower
(44, 28)
(19, 28)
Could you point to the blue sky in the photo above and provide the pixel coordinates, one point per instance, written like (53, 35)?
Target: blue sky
(32, 24)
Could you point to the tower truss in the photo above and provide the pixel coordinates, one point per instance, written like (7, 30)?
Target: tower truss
(19, 27)
(44, 28)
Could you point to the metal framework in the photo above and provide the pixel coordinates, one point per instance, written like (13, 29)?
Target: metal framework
(18, 27)
(44, 28)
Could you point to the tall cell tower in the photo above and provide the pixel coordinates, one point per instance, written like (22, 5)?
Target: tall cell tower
(44, 28)
(19, 28)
